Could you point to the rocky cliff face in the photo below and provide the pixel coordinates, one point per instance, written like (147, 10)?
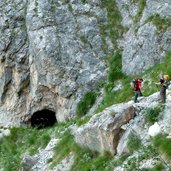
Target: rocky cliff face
(50, 55)
(51, 52)
(149, 34)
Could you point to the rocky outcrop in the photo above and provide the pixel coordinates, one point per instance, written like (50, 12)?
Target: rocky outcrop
(110, 129)
(50, 55)
(144, 44)
(103, 130)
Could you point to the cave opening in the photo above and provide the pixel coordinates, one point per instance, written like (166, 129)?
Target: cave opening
(43, 118)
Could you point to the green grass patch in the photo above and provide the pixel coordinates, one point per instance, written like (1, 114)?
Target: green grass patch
(103, 35)
(132, 164)
(115, 74)
(161, 23)
(85, 104)
(163, 145)
(20, 141)
(83, 120)
(147, 152)
(152, 115)
(27, 140)
(115, 67)
(36, 7)
(84, 39)
(141, 6)
(87, 160)
(63, 148)
(134, 143)
(111, 97)
(83, 1)
(70, 8)
(114, 21)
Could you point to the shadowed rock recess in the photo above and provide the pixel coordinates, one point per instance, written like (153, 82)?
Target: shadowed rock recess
(50, 56)
(43, 118)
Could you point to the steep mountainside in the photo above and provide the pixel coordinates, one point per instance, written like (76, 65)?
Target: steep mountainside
(72, 61)
(53, 52)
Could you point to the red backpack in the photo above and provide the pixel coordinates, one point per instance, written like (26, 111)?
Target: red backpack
(136, 85)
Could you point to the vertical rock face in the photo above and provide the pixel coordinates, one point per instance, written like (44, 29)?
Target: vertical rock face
(52, 52)
(50, 55)
(145, 44)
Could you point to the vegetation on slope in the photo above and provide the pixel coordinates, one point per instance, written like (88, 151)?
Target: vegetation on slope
(150, 76)
(23, 140)
(20, 141)
(114, 26)
(161, 23)
(152, 115)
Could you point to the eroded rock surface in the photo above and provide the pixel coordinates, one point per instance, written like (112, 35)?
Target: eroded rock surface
(103, 130)
(144, 45)
(50, 55)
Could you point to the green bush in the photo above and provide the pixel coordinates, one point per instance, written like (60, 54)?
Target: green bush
(114, 21)
(85, 104)
(163, 145)
(152, 115)
(134, 143)
(115, 67)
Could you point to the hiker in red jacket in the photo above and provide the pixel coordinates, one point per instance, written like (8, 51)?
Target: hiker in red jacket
(140, 82)
(137, 86)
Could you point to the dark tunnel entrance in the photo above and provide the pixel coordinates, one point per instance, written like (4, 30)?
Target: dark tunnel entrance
(43, 118)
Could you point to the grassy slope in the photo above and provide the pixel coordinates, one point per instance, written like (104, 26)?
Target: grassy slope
(23, 140)
(150, 76)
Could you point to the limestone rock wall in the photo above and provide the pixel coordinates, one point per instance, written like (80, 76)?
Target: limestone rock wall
(144, 45)
(52, 51)
(50, 55)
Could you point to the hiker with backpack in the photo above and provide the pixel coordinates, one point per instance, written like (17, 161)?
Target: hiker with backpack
(140, 85)
(136, 84)
(164, 83)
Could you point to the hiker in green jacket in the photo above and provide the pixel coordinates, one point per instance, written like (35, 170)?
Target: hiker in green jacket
(164, 83)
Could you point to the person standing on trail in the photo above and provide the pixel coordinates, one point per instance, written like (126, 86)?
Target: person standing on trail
(136, 84)
(164, 83)
(140, 82)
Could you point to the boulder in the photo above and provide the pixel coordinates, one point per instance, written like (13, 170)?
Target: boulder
(103, 131)
(154, 129)
(122, 144)
(28, 162)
